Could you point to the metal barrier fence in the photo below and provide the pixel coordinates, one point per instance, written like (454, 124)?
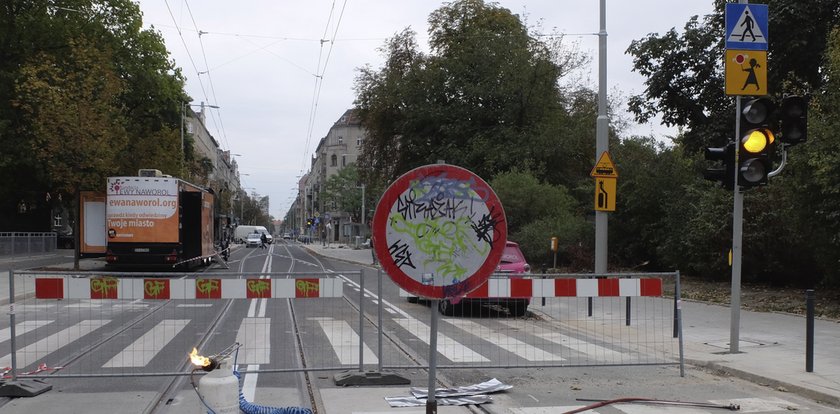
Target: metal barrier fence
(12, 243)
(145, 324)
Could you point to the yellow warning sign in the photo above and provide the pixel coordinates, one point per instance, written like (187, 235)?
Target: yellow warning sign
(746, 72)
(605, 193)
(604, 167)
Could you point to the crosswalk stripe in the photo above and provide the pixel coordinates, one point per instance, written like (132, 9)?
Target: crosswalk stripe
(345, 342)
(141, 351)
(21, 328)
(33, 352)
(253, 335)
(448, 347)
(593, 351)
(508, 343)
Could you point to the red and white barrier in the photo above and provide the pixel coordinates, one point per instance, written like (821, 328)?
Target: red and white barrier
(551, 288)
(198, 288)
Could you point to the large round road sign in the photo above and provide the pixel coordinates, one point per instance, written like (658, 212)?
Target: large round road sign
(439, 231)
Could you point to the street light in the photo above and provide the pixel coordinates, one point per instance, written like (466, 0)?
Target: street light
(244, 194)
(183, 116)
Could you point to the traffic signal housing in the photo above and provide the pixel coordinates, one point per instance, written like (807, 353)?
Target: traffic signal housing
(793, 119)
(725, 173)
(757, 142)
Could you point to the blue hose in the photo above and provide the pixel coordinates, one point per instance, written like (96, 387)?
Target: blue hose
(251, 408)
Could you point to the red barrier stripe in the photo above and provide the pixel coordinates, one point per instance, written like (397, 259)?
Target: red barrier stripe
(480, 292)
(650, 287)
(307, 288)
(52, 288)
(608, 287)
(521, 288)
(565, 287)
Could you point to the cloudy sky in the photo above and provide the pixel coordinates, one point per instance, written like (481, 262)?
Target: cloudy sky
(282, 71)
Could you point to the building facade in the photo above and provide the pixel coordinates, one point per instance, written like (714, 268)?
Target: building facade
(317, 217)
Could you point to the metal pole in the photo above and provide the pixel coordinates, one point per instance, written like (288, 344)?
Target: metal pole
(379, 317)
(737, 237)
(12, 323)
(627, 313)
(183, 110)
(809, 330)
(431, 403)
(601, 139)
(361, 321)
(601, 145)
(678, 297)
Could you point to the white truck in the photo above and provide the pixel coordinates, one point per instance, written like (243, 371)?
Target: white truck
(242, 232)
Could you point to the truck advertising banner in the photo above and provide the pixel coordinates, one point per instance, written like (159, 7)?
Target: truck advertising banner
(141, 209)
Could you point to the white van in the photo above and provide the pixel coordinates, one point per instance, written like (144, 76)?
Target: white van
(241, 233)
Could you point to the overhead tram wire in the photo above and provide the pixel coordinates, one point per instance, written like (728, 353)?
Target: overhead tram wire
(209, 79)
(192, 61)
(319, 79)
(187, 49)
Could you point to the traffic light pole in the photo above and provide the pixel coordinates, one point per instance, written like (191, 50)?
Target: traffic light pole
(737, 238)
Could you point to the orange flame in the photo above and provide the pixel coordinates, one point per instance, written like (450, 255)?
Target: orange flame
(198, 360)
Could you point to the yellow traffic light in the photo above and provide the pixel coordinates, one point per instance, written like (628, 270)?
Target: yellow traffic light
(757, 140)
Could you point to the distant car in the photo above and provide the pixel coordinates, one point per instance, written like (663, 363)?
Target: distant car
(269, 238)
(512, 262)
(287, 236)
(253, 240)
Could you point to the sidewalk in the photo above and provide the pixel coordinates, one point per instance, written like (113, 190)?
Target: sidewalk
(772, 345)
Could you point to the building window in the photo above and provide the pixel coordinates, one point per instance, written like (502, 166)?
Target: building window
(343, 160)
(333, 160)
(340, 140)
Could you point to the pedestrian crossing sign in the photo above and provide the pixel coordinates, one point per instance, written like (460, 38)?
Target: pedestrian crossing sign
(746, 72)
(746, 26)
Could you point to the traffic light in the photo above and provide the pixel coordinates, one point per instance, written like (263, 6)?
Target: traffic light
(308, 221)
(726, 173)
(793, 118)
(757, 142)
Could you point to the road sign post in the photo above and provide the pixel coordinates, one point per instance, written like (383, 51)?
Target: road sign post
(439, 232)
(746, 43)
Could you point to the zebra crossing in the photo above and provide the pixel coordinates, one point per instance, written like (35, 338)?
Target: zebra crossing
(255, 334)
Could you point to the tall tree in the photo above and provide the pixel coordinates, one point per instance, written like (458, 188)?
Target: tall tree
(70, 109)
(485, 97)
(145, 107)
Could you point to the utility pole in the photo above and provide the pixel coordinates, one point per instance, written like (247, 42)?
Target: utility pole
(601, 140)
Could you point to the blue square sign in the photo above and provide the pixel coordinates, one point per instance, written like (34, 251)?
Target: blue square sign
(746, 26)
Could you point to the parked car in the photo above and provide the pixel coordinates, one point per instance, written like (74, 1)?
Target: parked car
(253, 240)
(512, 262)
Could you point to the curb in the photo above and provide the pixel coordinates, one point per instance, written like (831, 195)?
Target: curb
(815, 395)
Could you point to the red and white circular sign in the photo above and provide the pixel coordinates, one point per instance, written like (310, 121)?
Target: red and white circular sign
(439, 231)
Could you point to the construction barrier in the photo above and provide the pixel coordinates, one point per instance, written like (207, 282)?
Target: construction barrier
(88, 324)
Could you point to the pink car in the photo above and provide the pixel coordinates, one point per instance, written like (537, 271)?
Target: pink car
(513, 262)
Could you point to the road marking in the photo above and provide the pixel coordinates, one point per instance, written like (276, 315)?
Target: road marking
(593, 351)
(446, 346)
(195, 305)
(254, 336)
(345, 342)
(50, 344)
(508, 343)
(141, 351)
(21, 328)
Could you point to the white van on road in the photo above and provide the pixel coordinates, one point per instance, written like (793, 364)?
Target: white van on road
(241, 233)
